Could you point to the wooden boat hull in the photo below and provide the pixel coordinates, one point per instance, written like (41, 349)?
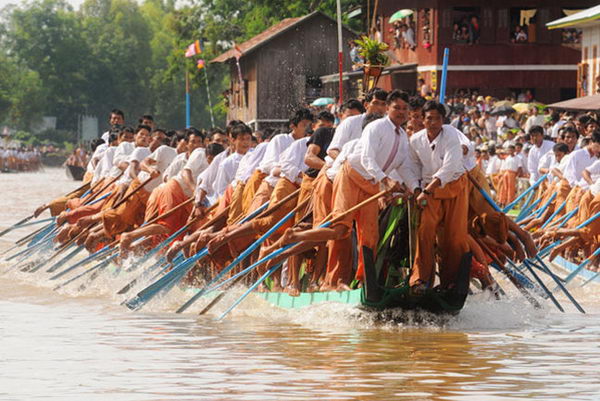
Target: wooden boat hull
(76, 172)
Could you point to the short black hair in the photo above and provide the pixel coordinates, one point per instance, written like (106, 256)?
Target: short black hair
(143, 126)
(95, 143)
(195, 131)
(230, 126)
(301, 114)
(126, 129)
(595, 136)
(161, 131)
(215, 131)
(584, 119)
(326, 116)
(376, 93)
(175, 139)
(354, 104)
(118, 112)
(395, 95)
(570, 129)
(591, 121)
(240, 129)
(214, 149)
(112, 137)
(145, 117)
(416, 102)
(536, 129)
(560, 147)
(431, 105)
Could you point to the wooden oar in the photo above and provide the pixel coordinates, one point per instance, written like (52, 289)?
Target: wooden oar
(281, 250)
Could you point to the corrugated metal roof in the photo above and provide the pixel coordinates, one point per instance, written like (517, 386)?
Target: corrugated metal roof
(270, 33)
(582, 17)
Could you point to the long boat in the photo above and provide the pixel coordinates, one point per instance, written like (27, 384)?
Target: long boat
(570, 267)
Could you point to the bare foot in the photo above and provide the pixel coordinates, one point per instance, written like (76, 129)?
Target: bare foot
(343, 287)
(293, 291)
(173, 250)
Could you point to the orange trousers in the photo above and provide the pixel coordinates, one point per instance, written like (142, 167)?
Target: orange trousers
(128, 215)
(236, 206)
(283, 188)
(508, 187)
(306, 190)
(59, 204)
(447, 210)
(161, 200)
(350, 189)
(250, 190)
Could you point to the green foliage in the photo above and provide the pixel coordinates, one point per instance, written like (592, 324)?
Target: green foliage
(372, 51)
(128, 54)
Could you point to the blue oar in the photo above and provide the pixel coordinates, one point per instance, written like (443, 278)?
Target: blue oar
(553, 215)
(545, 206)
(560, 285)
(563, 219)
(82, 262)
(64, 259)
(594, 277)
(528, 212)
(243, 255)
(527, 191)
(580, 267)
(174, 275)
(541, 284)
(526, 204)
(100, 265)
(281, 250)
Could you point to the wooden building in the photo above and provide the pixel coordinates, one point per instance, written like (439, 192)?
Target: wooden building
(279, 69)
(585, 23)
(499, 48)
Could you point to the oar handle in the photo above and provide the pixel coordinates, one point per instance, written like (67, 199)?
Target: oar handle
(276, 206)
(93, 196)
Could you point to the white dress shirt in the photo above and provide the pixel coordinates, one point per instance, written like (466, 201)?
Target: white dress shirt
(163, 156)
(226, 173)
(205, 180)
(533, 160)
(292, 160)
(440, 158)
(274, 150)
(196, 164)
(336, 165)
(249, 163)
(175, 166)
(373, 151)
(578, 160)
(349, 129)
(138, 154)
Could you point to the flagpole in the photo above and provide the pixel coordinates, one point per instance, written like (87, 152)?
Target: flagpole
(212, 118)
(188, 107)
(340, 51)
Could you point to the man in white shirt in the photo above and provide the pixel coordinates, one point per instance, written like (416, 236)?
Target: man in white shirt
(116, 119)
(259, 187)
(351, 128)
(534, 118)
(170, 195)
(540, 148)
(444, 201)
(288, 171)
(379, 158)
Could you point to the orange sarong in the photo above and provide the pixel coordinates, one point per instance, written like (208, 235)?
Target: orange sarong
(447, 209)
(128, 215)
(350, 189)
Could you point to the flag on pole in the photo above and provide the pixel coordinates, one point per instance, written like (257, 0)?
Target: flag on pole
(200, 64)
(193, 49)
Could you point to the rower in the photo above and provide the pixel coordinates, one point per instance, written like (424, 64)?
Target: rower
(444, 201)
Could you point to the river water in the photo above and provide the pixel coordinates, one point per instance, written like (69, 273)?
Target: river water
(71, 345)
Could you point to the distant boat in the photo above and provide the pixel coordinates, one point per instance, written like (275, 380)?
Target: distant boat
(75, 172)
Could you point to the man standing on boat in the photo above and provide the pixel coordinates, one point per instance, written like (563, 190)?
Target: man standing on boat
(444, 200)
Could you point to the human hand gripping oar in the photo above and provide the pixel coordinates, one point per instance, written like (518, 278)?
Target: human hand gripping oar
(244, 254)
(281, 250)
(113, 244)
(179, 271)
(580, 267)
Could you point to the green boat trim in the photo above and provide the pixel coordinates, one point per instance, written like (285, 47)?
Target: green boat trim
(286, 301)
